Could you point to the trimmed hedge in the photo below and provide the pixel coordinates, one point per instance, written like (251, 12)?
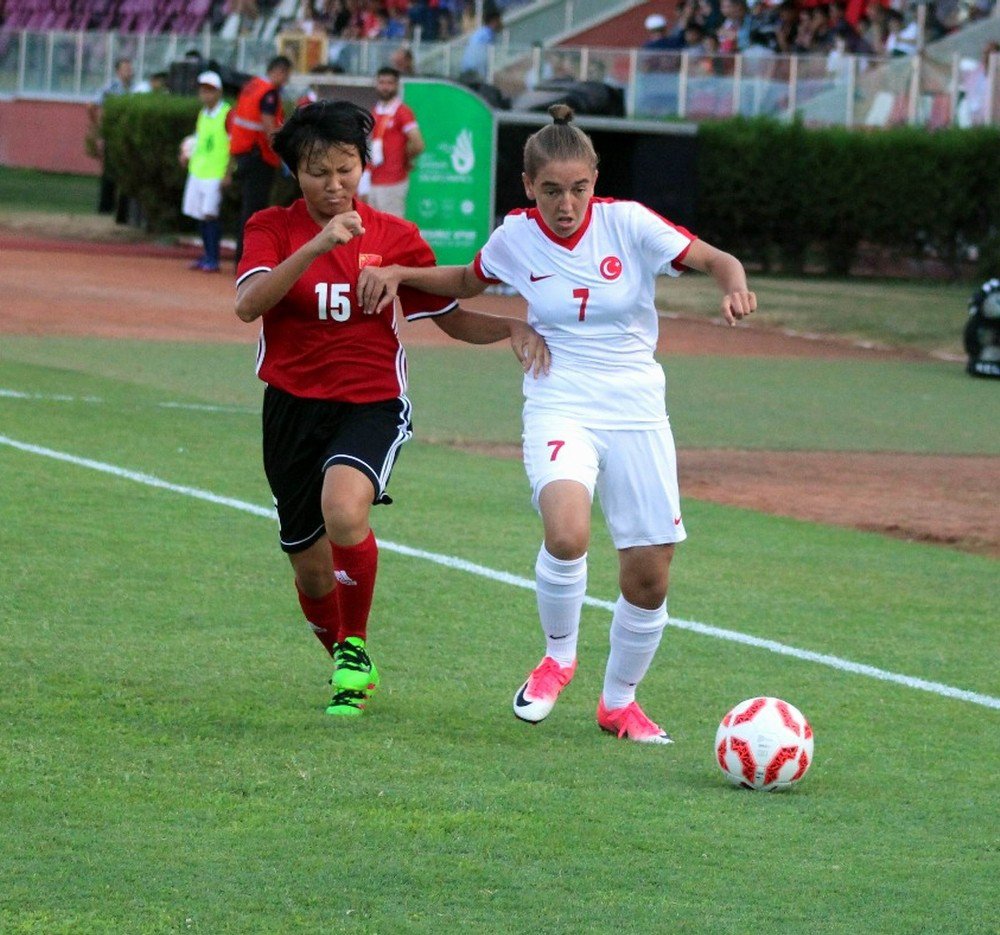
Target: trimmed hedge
(142, 135)
(771, 192)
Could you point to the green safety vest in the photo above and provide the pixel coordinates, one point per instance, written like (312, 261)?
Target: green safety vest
(211, 149)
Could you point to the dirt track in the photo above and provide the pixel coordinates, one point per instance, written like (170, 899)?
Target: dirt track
(137, 291)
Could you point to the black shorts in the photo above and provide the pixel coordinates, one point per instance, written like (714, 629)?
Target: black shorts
(303, 437)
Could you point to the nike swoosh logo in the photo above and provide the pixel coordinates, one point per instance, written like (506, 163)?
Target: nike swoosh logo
(677, 521)
(520, 701)
(535, 278)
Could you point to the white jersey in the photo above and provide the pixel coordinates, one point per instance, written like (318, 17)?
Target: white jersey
(591, 297)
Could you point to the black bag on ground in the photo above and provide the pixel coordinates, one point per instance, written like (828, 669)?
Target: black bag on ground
(982, 331)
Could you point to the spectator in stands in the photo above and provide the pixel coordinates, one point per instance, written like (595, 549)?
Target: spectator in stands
(734, 33)
(449, 16)
(686, 34)
(110, 200)
(476, 58)
(785, 26)
(710, 64)
(902, 38)
(657, 33)
(423, 20)
(258, 116)
(336, 17)
(396, 142)
(467, 20)
(207, 160)
(872, 28)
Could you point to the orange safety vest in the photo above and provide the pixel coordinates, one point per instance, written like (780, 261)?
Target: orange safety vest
(248, 125)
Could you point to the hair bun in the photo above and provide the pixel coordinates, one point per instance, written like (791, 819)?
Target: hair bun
(561, 114)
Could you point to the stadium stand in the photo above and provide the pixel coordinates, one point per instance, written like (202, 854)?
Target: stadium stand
(183, 17)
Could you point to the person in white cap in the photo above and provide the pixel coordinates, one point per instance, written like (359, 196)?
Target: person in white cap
(206, 155)
(656, 26)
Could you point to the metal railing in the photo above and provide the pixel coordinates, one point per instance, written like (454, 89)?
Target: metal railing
(824, 90)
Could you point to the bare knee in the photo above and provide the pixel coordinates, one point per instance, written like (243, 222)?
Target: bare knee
(346, 520)
(645, 575)
(346, 504)
(567, 543)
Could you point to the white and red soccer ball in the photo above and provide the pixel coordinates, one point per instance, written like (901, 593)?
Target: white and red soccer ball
(764, 743)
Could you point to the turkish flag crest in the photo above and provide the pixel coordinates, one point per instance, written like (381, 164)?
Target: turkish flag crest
(369, 259)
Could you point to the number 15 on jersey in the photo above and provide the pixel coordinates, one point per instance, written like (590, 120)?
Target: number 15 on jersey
(333, 301)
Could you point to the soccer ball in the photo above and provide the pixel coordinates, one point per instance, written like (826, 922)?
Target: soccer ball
(764, 743)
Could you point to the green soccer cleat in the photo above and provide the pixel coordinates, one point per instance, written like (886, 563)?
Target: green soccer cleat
(354, 669)
(347, 703)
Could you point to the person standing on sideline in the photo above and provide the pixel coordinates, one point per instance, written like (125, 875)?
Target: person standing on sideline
(587, 267)
(109, 199)
(258, 115)
(335, 409)
(207, 158)
(396, 142)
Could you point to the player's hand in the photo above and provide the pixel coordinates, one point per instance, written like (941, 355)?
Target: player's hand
(737, 305)
(377, 287)
(339, 230)
(529, 348)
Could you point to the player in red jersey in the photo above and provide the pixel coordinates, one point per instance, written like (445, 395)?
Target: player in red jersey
(335, 407)
(597, 422)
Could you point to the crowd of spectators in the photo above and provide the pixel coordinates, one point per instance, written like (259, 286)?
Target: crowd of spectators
(796, 27)
(433, 20)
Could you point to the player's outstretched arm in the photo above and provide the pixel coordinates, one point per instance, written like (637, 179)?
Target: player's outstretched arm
(479, 328)
(737, 299)
(378, 285)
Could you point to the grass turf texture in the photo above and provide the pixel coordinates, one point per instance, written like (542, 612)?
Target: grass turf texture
(928, 316)
(51, 192)
(166, 763)
(917, 407)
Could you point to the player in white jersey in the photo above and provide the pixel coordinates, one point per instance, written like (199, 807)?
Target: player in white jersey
(597, 421)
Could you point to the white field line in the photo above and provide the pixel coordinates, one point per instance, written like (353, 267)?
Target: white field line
(63, 398)
(458, 564)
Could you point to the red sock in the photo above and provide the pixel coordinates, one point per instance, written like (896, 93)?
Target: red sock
(354, 567)
(323, 614)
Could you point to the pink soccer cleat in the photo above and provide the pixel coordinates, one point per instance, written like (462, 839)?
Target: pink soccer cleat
(630, 723)
(536, 698)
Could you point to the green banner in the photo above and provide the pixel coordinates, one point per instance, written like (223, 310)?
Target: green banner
(451, 186)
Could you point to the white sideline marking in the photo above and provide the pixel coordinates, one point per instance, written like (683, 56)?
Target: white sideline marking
(448, 561)
(63, 398)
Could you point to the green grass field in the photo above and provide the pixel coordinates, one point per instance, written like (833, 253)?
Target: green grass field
(928, 316)
(166, 764)
(33, 190)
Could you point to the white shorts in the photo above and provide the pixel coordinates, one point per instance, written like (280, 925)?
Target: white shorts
(390, 198)
(202, 198)
(634, 472)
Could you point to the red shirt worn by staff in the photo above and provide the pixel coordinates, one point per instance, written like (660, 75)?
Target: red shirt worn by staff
(257, 97)
(393, 121)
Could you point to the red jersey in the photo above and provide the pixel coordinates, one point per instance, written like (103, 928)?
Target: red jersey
(317, 342)
(393, 121)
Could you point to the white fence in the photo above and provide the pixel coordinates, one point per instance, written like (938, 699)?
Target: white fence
(824, 90)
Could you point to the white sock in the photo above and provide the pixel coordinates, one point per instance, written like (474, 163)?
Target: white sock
(635, 635)
(561, 586)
